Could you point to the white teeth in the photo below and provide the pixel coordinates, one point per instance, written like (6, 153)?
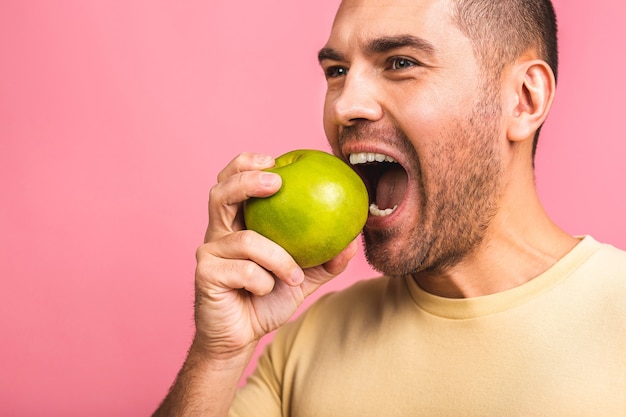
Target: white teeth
(364, 157)
(375, 211)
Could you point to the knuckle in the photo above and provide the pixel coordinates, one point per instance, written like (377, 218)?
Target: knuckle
(245, 157)
(246, 182)
(238, 164)
(214, 192)
(246, 238)
(200, 253)
(203, 262)
(249, 270)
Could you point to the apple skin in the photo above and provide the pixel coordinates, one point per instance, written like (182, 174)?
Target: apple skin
(320, 208)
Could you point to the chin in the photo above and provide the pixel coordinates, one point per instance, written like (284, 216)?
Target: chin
(392, 258)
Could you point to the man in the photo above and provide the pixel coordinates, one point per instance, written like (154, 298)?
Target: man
(485, 308)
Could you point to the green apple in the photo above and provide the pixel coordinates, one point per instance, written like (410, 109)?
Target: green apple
(320, 208)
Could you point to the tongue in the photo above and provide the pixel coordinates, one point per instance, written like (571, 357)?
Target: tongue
(391, 187)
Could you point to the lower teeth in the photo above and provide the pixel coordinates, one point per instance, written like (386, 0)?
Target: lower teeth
(375, 211)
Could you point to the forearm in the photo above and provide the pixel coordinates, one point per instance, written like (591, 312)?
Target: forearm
(204, 386)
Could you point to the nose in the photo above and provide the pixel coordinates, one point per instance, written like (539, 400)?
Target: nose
(356, 100)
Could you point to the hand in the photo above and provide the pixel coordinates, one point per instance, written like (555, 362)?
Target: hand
(247, 285)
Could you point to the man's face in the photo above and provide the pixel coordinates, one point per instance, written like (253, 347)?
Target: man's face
(405, 92)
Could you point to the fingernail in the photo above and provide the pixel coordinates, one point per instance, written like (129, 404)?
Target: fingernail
(268, 179)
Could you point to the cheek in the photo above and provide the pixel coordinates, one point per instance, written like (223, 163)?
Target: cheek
(422, 112)
(432, 128)
(331, 128)
(423, 126)
(431, 118)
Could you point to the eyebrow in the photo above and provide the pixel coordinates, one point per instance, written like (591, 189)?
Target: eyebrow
(330, 54)
(388, 43)
(382, 45)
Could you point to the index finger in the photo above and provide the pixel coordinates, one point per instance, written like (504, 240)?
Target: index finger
(226, 199)
(245, 161)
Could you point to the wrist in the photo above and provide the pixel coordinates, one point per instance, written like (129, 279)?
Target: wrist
(222, 358)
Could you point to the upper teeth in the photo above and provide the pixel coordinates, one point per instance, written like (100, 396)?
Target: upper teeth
(364, 157)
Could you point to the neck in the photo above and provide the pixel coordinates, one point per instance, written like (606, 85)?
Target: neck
(521, 243)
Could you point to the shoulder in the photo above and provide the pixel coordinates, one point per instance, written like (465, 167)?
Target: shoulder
(599, 282)
(358, 308)
(367, 299)
(613, 257)
(605, 261)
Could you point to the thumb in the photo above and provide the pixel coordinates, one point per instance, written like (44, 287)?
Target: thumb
(340, 262)
(319, 275)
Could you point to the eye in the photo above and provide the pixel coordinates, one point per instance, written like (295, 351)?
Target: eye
(335, 71)
(399, 63)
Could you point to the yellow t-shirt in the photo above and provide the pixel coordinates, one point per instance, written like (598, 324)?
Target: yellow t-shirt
(555, 346)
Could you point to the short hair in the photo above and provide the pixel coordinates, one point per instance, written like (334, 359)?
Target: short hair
(502, 30)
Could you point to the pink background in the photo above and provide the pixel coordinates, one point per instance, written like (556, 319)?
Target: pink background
(115, 117)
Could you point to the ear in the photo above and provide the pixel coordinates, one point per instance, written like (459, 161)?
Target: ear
(531, 92)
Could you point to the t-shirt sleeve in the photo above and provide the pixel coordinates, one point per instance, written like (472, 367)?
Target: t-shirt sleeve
(264, 391)
(289, 367)
(260, 396)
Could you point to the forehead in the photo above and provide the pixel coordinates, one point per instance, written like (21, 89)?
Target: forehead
(358, 21)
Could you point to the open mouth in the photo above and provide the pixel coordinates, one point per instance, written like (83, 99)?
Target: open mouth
(386, 181)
